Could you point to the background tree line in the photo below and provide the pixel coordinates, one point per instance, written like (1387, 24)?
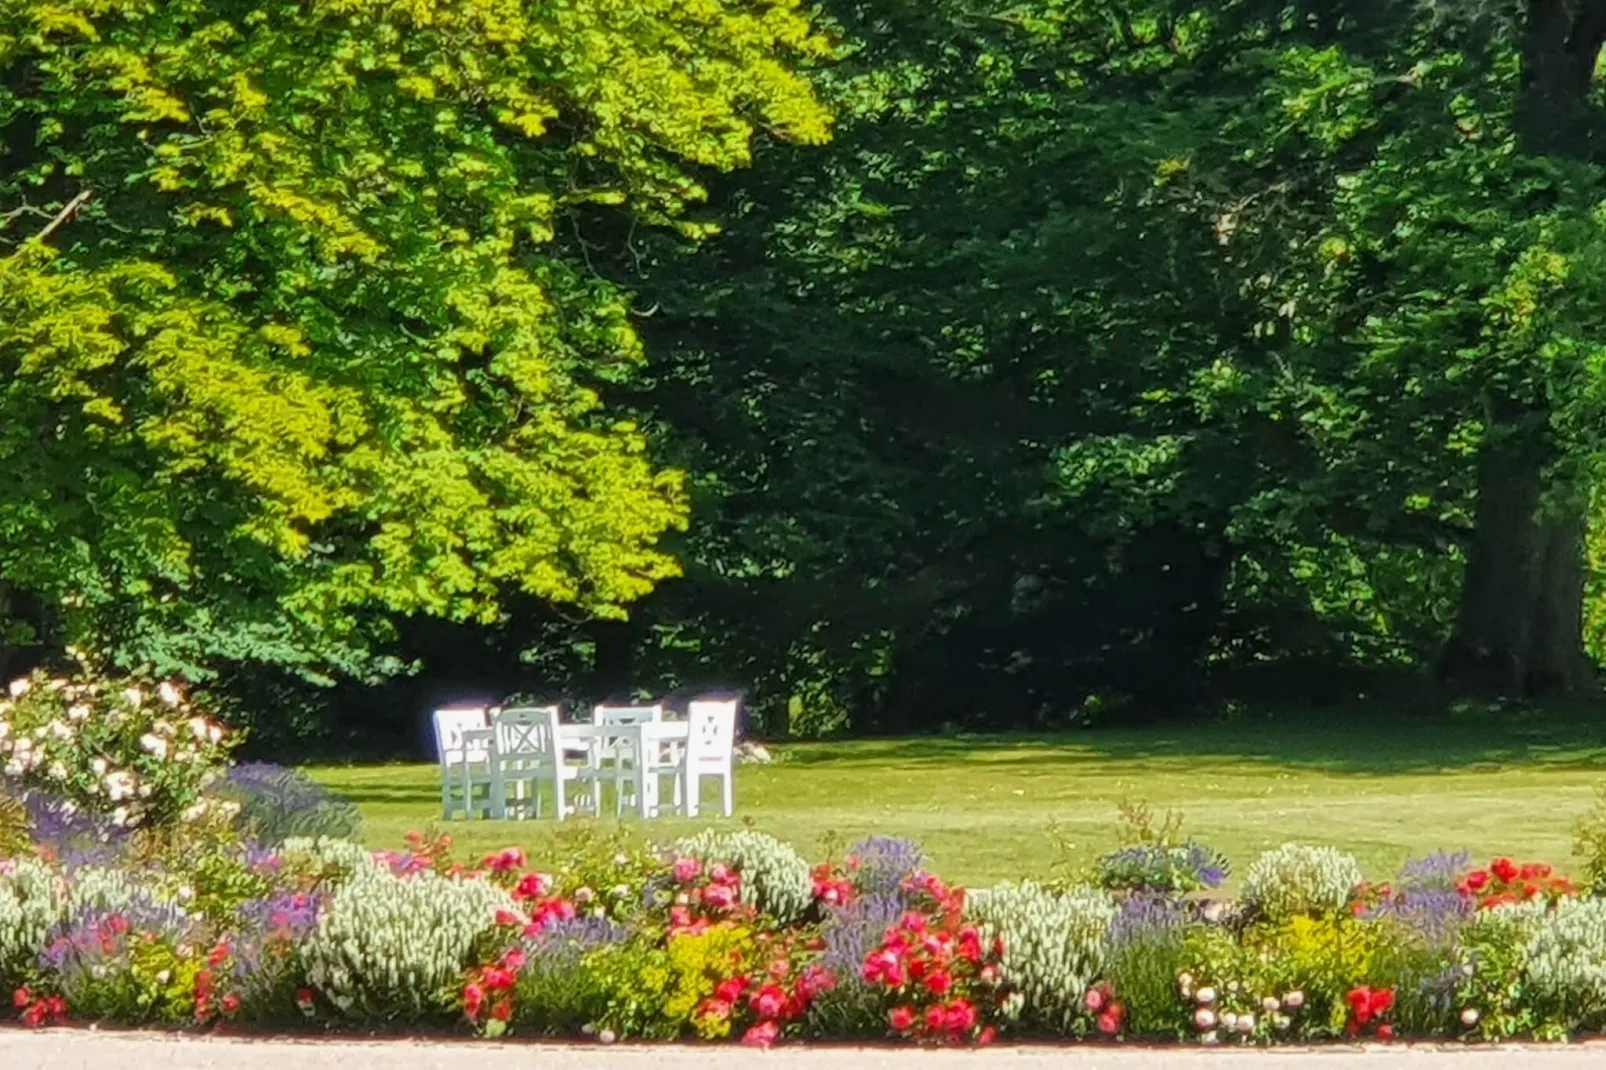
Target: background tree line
(1110, 356)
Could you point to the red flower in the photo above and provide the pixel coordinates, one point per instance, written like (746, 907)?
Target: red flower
(507, 917)
(940, 983)
(473, 998)
(986, 1036)
(530, 886)
(722, 874)
(761, 1035)
(1477, 879)
(936, 1018)
(1385, 1032)
(514, 960)
(231, 1003)
(218, 954)
(1382, 999)
(970, 944)
(505, 861)
(686, 870)
(902, 1019)
(502, 1010)
(730, 990)
(1109, 1024)
(1505, 870)
(717, 1009)
(768, 1002)
(498, 979)
(912, 922)
(21, 998)
(815, 980)
(960, 1016)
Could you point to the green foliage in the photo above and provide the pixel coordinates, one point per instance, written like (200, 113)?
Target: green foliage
(1053, 946)
(295, 312)
(1566, 960)
(774, 877)
(393, 947)
(1297, 879)
(1495, 948)
(1590, 843)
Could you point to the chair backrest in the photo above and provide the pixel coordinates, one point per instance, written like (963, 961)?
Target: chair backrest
(711, 733)
(450, 724)
(527, 732)
(626, 714)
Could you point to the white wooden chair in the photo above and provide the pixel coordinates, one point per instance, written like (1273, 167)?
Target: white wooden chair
(710, 751)
(465, 763)
(529, 751)
(614, 758)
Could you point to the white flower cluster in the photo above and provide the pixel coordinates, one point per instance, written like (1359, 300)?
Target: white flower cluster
(1054, 945)
(103, 747)
(1213, 1021)
(1566, 958)
(1298, 879)
(390, 947)
(774, 877)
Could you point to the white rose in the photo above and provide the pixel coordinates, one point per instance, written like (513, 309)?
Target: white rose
(1205, 995)
(198, 727)
(1204, 1018)
(1469, 1017)
(20, 686)
(1229, 1021)
(57, 771)
(1246, 1023)
(99, 766)
(169, 693)
(120, 816)
(78, 713)
(1270, 1005)
(13, 768)
(214, 733)
(144, 791)
(134, 696)
(1294, 1000)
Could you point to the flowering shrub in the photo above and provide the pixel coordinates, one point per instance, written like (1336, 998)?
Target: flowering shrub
(277, 804)
(140, 756)
(942, 980)
(775, 877)
(1149, 867)
(1052, 944)
(1504, 882)
(1299, 879)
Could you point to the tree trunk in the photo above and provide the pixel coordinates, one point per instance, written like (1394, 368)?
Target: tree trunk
(1519, 632)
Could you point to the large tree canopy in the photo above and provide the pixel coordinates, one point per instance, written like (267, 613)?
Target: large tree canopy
(293, 330)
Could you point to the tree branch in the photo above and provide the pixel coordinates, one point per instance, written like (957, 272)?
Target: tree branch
(68, 210)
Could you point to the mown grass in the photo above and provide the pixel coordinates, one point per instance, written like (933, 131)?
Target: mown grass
(989, 808)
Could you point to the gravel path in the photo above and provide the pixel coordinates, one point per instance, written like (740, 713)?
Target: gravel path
(82, 1050)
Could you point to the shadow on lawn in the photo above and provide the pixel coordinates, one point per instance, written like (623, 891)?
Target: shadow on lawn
(1362, 744)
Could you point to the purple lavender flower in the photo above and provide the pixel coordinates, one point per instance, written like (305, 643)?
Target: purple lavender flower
(1426, 900)
(266, 929)
(73, 836)
(851, 932)
(1155, 867)
(885, 862)
(277, 803)
(1148, 920)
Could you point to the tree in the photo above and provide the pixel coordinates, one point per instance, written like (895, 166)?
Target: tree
(294, 333)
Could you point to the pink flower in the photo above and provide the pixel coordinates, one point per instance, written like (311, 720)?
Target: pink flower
(902, 1019)
(717, 1009)
(959, 1016)
(1109, 1024)
(531, 886)
(883, 967)
(761, 1035)
(507, 917)
(730, 989)
(514, 960)
(473, 999)
(687, 869)
(720, 896)
(498, 979)
(505, 861)
(1093, 1001)
(720, 873)
(815, 980)
(769, 1001)
(912, 922)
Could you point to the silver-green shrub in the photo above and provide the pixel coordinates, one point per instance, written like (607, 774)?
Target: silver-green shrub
(342, 857)
(390, 947)
(775, 878)
(32, 899)
(1053, 945)
(1299, 879)
(1566, 963)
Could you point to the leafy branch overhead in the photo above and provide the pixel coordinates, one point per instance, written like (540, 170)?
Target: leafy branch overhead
(300, 338)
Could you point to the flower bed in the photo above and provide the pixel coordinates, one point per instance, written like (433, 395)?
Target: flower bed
(142, 883)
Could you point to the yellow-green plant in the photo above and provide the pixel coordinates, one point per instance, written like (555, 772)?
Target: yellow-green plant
(290, 293)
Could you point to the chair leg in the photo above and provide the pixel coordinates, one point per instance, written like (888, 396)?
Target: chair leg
(498, 801)
(729, 792)
(693, 789)
(562, 804)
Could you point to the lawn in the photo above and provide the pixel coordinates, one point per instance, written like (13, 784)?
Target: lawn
(989, 808)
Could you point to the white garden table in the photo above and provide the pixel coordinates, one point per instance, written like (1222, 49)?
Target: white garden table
(648, 739)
